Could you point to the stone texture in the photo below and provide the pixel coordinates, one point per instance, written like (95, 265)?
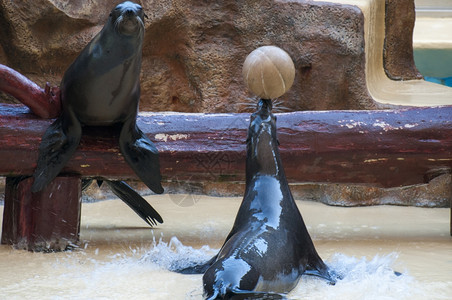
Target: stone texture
(398, 56)
(436, 193)
(194, 51)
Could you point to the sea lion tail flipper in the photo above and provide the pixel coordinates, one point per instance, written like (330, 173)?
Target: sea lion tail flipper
(57, 146)
(135, 202)
(142, 156)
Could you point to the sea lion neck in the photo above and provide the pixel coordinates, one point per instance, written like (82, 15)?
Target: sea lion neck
(262, 144)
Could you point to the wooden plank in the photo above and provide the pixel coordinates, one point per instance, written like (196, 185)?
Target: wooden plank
(45, 103)
(384, 148)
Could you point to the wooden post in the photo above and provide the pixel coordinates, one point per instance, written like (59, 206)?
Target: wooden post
(44, 221)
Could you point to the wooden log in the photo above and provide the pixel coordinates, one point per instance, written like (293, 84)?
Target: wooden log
(44, 221)
(383, 148)
(45, 103)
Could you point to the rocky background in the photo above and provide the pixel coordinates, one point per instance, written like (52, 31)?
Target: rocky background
(194, 50)
(398, 58)
(192, 58)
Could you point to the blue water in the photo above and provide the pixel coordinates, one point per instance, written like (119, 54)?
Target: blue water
(444, 81)
(435, 65)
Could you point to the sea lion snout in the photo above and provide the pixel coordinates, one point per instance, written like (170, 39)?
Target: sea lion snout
(128, 18)
(264, 106)
(263, 117)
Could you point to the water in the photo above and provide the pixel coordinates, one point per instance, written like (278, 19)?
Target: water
(120, 258)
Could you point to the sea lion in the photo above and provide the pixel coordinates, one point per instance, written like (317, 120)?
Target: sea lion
(102, 88)
(269, 247)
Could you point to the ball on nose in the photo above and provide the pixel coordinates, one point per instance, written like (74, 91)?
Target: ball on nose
(268, 72)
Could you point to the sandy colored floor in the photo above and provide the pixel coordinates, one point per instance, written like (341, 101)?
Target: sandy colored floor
(118, 259)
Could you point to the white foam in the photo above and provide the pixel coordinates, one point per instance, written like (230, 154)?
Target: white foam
(144, 273)
(364, 279)
(174, 255)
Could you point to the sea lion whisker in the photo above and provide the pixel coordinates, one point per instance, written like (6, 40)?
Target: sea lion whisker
(141, 22)
(279, 107)
(247, 104)
(277, 101)
(117, 23)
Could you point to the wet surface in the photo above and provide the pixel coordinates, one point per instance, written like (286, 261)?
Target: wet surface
(120, 257)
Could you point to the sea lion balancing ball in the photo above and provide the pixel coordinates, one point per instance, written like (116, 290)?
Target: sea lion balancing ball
(268, 72)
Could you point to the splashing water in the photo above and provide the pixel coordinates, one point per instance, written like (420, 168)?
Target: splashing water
(145, 273)
(174, 255)
(361, 278)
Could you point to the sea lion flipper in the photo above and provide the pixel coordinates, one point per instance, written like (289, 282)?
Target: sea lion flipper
(142, 155)
(57, 146)
(317, 267)
(86, 182)
(196, 269)
(239, 294)
(135, 202)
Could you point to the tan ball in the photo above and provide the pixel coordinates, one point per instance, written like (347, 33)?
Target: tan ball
(268, 72)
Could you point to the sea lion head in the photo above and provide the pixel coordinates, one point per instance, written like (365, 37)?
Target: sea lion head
(262, 143)
(128, 18)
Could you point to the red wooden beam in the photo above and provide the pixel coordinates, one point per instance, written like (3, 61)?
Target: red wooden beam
(383, 148)
(45, 103)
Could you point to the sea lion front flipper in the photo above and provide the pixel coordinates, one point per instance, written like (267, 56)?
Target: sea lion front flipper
(249, 295)
(135, 202)
(57, 146)
(196, 269)
(317, 267)
(141, 154)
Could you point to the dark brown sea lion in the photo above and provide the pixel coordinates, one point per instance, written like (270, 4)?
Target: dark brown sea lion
(269, 247)
(102, 88)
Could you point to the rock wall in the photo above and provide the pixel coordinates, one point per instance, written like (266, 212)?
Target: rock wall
(194, 50)
(398, 55)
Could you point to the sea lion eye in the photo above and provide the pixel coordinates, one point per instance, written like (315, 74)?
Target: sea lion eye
(114, 12)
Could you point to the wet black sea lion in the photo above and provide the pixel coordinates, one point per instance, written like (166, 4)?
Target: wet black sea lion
(102, 88)
(269, 247)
